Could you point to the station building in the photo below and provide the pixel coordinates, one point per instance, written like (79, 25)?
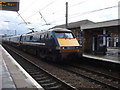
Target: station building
(96, 37)
(99, 35)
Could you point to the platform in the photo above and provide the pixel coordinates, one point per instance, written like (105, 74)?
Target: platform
(12, 75)
(112, 55)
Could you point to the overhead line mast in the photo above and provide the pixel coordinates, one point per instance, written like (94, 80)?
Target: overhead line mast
(66, 14)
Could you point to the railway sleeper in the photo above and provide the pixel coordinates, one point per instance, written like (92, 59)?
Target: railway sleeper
(30, 68)
(30, 71)
(35, 73)
(42, 78)
(39, 75)
(55, 87)
(45, 81)
(49, 84)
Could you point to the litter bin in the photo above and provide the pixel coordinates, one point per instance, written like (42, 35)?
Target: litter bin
(102, 49)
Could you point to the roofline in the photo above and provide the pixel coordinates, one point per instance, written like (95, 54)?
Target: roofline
(69, 24)
(109, 23)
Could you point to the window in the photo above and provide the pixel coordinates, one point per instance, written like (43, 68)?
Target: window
(27, 38)
(64, 35)
(44, 36)
(24, 38)
(50, 35)
(40, 37)
(36, 38)
(47, 36)
(31, 37)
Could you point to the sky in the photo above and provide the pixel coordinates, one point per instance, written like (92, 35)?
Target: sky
(53, 13)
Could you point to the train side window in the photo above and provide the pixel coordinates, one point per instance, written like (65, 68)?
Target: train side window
(17, 39)
(31, 37)
(37, 37)
(44, 36)
(50, 36)
(47, 36)
(34, 38)
(40, 37)
(20, 37)
(27, 38)
(24, 38)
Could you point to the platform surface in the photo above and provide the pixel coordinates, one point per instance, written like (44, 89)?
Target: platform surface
(12, 75)
(112, 55)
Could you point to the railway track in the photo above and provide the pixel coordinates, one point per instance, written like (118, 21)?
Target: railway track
(99, 77)
(76, 75)
(99, 72)
(43, 77)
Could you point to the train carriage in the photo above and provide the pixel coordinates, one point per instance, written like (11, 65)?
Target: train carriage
(55, 44)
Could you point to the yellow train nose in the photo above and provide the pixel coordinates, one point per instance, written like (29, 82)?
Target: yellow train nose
(68, 42)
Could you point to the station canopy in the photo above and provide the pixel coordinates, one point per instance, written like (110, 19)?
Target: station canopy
(9, 5)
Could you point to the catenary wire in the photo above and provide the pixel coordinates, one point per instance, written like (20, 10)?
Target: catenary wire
(41, 9)
(88, 12)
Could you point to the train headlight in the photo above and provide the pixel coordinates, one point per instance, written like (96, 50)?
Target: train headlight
(77, 47)
(58, 47)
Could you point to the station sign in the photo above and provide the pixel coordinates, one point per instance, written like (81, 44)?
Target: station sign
(104, 35)
(9, 5)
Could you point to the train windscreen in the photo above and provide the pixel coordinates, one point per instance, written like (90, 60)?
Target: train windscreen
(64, 35)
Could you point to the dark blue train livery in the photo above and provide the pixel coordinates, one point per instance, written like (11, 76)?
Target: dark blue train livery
(55, 44)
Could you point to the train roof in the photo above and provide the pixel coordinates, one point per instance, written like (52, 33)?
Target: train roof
(51, 30)
(60, 29)
(12, 36)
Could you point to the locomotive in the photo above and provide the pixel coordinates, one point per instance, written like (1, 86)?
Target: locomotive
(54, 44)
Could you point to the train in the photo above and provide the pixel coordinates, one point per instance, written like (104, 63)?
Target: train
(55, 44)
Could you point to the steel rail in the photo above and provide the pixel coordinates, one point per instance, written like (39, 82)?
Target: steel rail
(42, 76)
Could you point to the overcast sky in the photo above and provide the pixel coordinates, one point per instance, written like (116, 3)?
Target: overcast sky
(53, 11)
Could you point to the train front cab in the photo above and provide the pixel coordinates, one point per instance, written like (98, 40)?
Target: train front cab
(67, 45)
